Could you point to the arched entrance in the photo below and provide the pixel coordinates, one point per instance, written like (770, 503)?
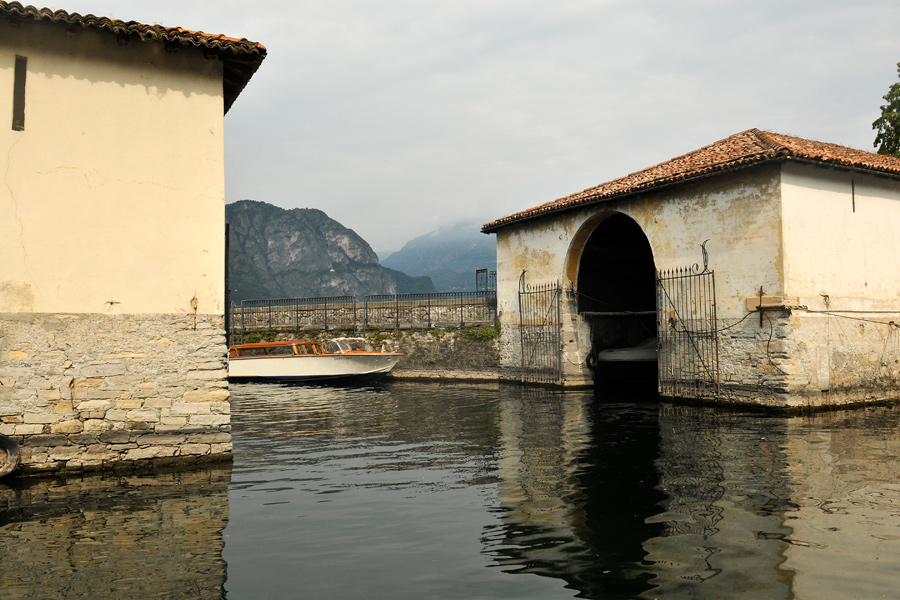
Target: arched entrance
(616, 296)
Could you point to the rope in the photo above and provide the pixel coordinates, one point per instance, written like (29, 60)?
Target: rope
(834, 314)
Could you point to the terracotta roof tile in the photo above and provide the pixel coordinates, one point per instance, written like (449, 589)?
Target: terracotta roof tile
(741, 150)
(241, 57)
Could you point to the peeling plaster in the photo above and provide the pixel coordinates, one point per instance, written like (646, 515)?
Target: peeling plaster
(16, 297)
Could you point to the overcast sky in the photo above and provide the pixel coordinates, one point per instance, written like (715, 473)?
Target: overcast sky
(395, 117)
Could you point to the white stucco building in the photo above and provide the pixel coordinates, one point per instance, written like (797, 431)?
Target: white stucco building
(112, 233)
(804, 229)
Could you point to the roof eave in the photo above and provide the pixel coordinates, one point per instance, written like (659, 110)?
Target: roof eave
(241, 57)
(494, 226)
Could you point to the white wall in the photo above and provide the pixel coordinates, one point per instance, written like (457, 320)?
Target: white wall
(112, 198)
(831, 250)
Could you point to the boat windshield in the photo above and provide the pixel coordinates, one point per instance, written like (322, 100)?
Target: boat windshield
(261, 351)
(344, 345)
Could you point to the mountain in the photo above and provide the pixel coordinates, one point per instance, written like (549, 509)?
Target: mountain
(301, 253)
(449, 256)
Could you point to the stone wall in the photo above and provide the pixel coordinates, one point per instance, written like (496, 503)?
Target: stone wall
(795, 360)
(87, 391)
(846, 358)
(470, 353)
(803, 360)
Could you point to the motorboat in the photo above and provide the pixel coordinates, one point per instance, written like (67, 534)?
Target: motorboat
(340, 359)
(634, 367)
(646, 351)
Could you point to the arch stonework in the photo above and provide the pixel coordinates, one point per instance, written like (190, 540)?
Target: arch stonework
(580, 240)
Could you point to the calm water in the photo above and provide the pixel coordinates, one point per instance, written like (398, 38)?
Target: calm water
(416, 490)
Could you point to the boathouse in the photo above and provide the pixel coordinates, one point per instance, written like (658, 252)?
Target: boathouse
(761, 269)
(112, 233)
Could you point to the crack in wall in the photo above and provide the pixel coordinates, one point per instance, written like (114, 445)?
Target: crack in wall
(15, 205)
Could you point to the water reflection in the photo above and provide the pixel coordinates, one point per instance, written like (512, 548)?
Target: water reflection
(727, 496)
(364, 493)
(415, 490)
(115, 536)
(577, 485)
(625, 500)
(843, 471)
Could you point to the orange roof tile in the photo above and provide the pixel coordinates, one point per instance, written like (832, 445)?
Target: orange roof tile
(741, 150)
(241, 57)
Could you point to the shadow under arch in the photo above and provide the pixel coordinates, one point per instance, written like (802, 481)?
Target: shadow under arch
(611, 264)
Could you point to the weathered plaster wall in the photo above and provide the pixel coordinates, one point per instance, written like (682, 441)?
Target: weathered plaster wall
(841, 248)
(84, 392)
(112, 198)
(739, 214)
(112, 238)
(540, 250)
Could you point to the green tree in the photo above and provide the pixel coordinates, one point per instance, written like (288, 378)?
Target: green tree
(888, 124)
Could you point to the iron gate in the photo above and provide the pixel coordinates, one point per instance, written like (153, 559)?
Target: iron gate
(539, 331)
(687, 332)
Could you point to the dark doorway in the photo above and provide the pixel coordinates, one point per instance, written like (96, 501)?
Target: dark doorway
(617, 295)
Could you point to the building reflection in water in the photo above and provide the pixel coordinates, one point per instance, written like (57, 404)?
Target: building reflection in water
(115, 536)
(724, 474)
(666, 501)
(846, 525)
(614, 497)
(624, 499)
(576, 486)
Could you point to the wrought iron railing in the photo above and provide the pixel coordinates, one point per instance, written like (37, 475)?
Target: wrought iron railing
(295, 313)
(539, 331)
(687, 333)
(384, 311)
(426, 311)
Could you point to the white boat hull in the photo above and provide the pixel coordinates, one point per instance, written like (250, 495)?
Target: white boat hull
(311, 367)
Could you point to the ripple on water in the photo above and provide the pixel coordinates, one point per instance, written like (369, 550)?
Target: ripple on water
(412, 490)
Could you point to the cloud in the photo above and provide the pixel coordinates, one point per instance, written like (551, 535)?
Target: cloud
(396, 117)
